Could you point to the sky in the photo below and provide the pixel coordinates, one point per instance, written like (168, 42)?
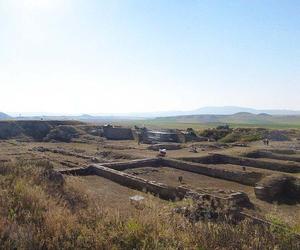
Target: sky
(120, 56)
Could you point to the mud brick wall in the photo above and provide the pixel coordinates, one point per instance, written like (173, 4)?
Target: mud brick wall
(163, 191)
(77, 171)
(270, 155)
(210, 159)
(247, 178)
(288, 167)
(112, 133)
(152, 162)
(277, 166)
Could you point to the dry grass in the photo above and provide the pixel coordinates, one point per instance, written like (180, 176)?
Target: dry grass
(38, 210)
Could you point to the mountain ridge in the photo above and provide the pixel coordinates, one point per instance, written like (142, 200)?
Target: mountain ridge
(4, 116)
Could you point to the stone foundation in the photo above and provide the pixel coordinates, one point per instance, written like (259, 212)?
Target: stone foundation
(288, 167)
(271, 155)
(109, 171)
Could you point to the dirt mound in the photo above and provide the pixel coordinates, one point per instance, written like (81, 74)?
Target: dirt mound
(277, 135)
(62, 133)
(37, 130)
(9, 130)
(249, 134)
(216, 133)
(209, 209)
(279, 187)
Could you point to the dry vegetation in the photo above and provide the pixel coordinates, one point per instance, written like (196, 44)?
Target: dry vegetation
(41, 210)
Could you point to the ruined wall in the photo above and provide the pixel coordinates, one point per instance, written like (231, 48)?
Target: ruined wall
(247, 178)
(113, 133)
(120, 166)
(152, 136)
(270, 155)
(163, 191)
(77, 171)
(289, 167)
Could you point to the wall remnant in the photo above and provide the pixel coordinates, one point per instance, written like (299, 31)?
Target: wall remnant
(149, 136)
(288, 167)
(117, 133)
(162, 190)
(246, 178)
(271, 155)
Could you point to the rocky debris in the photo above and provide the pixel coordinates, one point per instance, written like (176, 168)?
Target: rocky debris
(137, 201)
(209, 208)
(168, 146)
(210, 146)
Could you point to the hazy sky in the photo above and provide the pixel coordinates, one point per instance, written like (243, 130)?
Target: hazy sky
(93, 56)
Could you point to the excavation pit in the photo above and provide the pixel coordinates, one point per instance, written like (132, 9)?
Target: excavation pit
(197, 182)
(132, 175)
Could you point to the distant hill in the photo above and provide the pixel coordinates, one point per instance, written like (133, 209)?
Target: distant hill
(4, 116)
(238, 118)
(230, 110)
(225, 110)
(205, 114)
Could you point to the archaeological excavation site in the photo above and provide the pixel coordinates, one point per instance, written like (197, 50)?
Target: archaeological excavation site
(70, 184)
(123, 167)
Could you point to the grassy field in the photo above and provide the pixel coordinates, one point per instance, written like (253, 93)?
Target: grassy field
(159, 123)
(206, 121)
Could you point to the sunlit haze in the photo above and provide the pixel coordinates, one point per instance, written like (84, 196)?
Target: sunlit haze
(76, 56)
